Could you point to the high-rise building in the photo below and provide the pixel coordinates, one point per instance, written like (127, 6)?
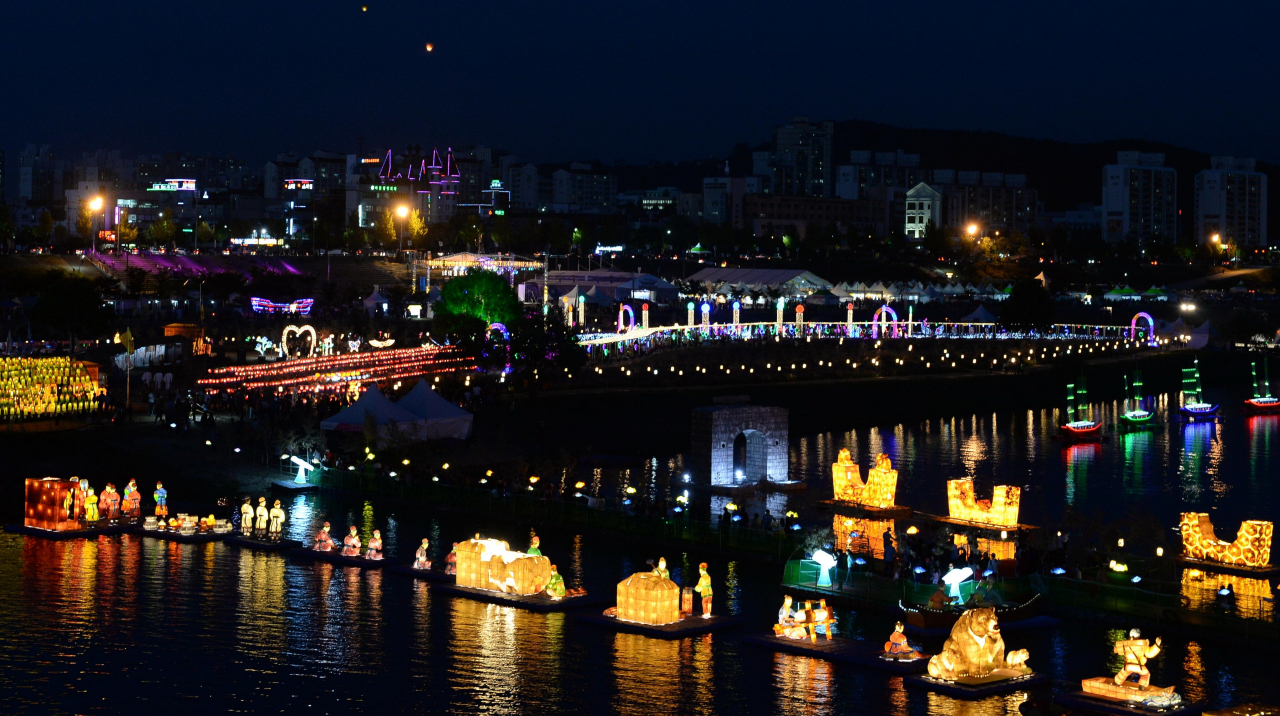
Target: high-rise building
(1231, 204)
(1139, 198)
(802, 158)
(722, 198)
(924, 207)
(580, 189)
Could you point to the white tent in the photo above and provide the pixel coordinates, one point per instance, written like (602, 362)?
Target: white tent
(441, 418)
(385, 413)
(375, 302)
(981, 315)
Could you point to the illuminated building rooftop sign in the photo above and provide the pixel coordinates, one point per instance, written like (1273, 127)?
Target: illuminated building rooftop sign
(174, 185)
(298, 184)
(384, 187)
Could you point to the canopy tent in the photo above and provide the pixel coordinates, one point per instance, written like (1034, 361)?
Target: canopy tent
(441, 418)
(982, 315)
(385, 414)
(375, 302)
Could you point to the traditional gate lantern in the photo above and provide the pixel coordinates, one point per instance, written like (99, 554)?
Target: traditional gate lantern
(1252, 547)
(1000, 511)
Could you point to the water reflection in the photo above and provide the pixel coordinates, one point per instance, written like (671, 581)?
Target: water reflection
(1079, 459)
(1253, 597)
(803, 685)
(649, 673)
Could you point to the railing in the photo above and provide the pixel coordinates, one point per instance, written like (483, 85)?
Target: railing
(521, 508)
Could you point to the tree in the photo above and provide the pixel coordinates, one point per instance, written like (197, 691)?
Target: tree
(415, 230)
(70, 305)
(470, 231)
(126, 233)
(543, 344)
(162, 230)
(45, 224)
(481, 296)
(936, 241)
(204, 233)
(384, 230)
(1029, 306)
(84, 222)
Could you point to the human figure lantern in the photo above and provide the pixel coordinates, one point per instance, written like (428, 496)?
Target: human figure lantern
(491, 564)
(91, 507)
(276, 524)
(975, 651)
(1132, 683)
(132, 504)
(534, 545)
(555, 585)
(1000, 511)
(109, 502)
(246, 517)
(661, 569)
(262, 518)
(878, 491)
(897, 647)
(82, 491)
(1251, 548)
(323, 540)
(375, 546)
(421, 558)
(351, 543)
(161, 496)
(704, 590)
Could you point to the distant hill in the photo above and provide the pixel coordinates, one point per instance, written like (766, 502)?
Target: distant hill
(1065, 174)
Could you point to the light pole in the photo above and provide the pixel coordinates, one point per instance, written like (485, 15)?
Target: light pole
(402, 212)
(96, 205)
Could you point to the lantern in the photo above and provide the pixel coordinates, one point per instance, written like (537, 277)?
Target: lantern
(646, 598)
(1252, 547)
(879, 489)
(1000, 511)
(47, 502)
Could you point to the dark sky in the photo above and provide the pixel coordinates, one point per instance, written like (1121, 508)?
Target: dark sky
(629, 80)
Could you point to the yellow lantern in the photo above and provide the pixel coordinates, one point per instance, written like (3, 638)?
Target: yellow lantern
(1252, 547)
(1000, 511)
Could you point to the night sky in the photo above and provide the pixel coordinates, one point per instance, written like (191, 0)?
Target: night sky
(635, 81)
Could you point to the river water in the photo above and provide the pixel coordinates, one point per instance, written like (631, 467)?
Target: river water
(129, 623)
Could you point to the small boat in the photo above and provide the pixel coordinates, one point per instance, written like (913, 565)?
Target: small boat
(1080, 424)
(1262, 401)
(924, 619)
(1193, 405)
(1134, 414)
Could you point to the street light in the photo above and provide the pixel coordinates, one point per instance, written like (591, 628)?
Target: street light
(96, 205)
(973, 230)
(402, 211)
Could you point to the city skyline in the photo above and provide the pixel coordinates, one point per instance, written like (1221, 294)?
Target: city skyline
(574, 81)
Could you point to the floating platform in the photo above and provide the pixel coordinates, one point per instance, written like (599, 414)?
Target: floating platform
(1081, 701)
(336, 557)
(240, 540)
(1036, 622)
(176, 536)
(879, 513)
(862, 653)
(1266, 572)
(689, 626)
(976, 525)
(993, 687)
(429, 575)
(532, 602)
(67, 534)
(289, 487)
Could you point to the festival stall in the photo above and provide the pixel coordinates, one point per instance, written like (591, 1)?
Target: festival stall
(440, 418)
